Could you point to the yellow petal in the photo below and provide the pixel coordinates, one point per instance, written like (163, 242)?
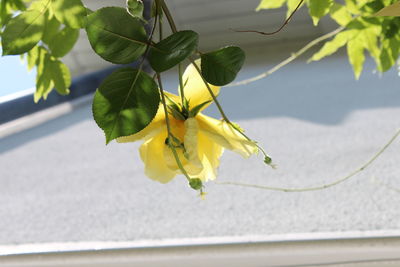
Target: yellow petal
(183, 141)
(209, 152)
(155, 164)
(191, 143)
(225, 135)
(194, 87)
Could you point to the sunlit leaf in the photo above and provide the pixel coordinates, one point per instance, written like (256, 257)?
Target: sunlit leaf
(340, 14)
(125, 103)
(266, 4)
(355, 52)
(32, 58)
(63, 41)
(23, 32)
(70, 12)
(318, 9)
(51, 29)
(44, 84)
(115, 35)
(332, 46)
(60, 75)
(172, 50)
(221, 67)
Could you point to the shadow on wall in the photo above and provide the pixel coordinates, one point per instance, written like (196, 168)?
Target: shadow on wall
(322, 92)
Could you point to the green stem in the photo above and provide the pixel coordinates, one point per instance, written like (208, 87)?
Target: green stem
(341, 180)
(168, 15)
(289, 59)
(181, 86)
(170, 136)
(223, 113)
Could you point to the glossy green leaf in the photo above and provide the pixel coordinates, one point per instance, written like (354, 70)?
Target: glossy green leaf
(172, 50)
(63, 41)
(267, 4)
(59, 74)
(355, 52)
(23, 32)
(115, 35)
(221, 67)
(69, 12)
(125, 103)
(51, 29)
(318, 9)
(135, 8)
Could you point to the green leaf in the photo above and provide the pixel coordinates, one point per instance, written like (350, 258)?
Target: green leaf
(194, 111)
(59, 74)
(267, 4)
(115, 35)
(340, 14)
(63, 41)
(23, 32)
(318, 9)
(70, 12)
(135, 8)
(332, 46)
(156, 10)
(291, 6)
(221, 67)
(351, 6)
(33, 56)
(51, 29)
(44, 84)
(389, 53)
(172, 50)
(355, 52)
(125, 103)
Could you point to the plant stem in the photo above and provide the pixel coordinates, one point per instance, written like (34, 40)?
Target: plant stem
(289, 59)
(281, 27)
(181, 86)
(169, 16)
(170, 145)
(341, 180)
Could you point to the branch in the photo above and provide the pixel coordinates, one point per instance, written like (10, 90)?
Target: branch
(280, 28)
(363, 167)
(289, 59)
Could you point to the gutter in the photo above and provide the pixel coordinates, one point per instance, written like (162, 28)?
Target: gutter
(363, 249)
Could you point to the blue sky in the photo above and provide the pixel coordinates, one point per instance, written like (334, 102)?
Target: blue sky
(14, 75)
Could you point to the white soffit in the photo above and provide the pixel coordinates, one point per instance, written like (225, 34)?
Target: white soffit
(214, 21)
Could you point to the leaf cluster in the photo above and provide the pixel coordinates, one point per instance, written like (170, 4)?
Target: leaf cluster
(363, 31)
(43, 31)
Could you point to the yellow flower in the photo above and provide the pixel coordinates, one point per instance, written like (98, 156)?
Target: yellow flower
(199, 140)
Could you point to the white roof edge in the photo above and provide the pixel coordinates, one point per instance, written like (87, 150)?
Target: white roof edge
(59, 247)
(10, 97)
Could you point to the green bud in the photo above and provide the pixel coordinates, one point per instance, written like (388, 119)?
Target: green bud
(267, 160)
(196, 183)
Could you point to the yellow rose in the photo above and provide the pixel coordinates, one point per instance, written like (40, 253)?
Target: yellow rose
(198, 139)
